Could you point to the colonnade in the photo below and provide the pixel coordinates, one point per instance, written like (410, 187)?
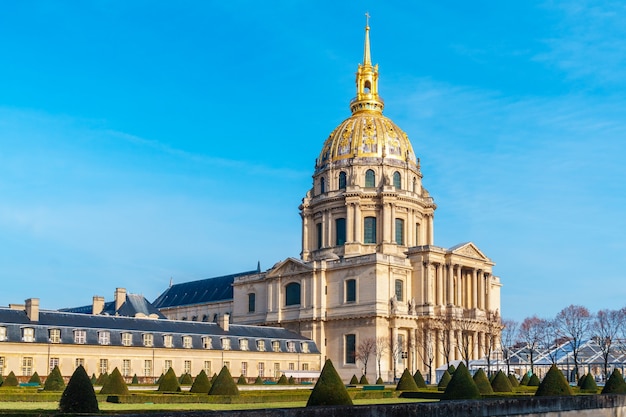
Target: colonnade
(457, 285)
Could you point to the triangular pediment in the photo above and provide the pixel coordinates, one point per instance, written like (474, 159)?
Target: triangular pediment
(468, 250)
(290, 266)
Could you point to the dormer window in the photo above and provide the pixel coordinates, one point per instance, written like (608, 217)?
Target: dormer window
(127, 339)
(104, 338)
(243, 344)
(3, 333)
(276, 346)
(148, 339)
(168, 341)
(207, 343)
(187, 342)
(80, 337)
(291, 346)
(305, 347)
(28, 334)
(54, 335)
(260, 345)
(225, 343)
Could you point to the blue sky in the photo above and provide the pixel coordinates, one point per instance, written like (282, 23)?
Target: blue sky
(147, 140)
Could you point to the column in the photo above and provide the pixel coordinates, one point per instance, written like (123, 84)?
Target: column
(305, 233)
(358, 236)
(385, 223)
(474, 288)
(450, 269)
(459, 287)
(440, 285)
(409, 229)
(349, 222)
(474, 354)
(487, 291)
(459, 343)
(394, 338)
(325, 229)
(431, 229)
(392, 223)
(428, 295)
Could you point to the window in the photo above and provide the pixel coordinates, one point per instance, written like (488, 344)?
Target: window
(350, 290)
(322, 185)
(370, 179)
(104, 338)
(276, 346)
(400, 290)
(243, 344)
(187, 342)
(148, 339)
(147, 367)
(414, 184)
(291, 346)
(28, 334)
(126, 367)
(399, 231)
(340, 228)
(291, 366)
(80, 337)
(52, 363)
(304, 347)
(207, 367)
(305, 366)
(417, 233)
(350, 348)
(168, 341)
(397, 180)
(260, 345)
(3, 334)
(276, 370)
(225, 343)
(27, 366)
(104, 366)
(55, 335)
(369, 230)
(187, 367)
(127, 339)
(261, 369)
(167, 365)
(244, 368)
(79, 362)
(318, 229)
(251, 302)
(207, 343)
(292, 294)
(2, 362)
(342, 180)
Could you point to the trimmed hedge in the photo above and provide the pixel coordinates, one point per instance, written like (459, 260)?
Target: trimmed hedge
(534, 381)
(589, 384)
(115, 384)
(79, 396)
(186, 379)
(482, 382)
(34, 379)
(224, 384)
(242, 380)
(258, 381)
(419, 379)
(553, 383)
(292, 381)
(513, 380)
(461, 386)
(581, 380)
(169, 382)
(353, 380)
(444, 381)
(525, 379)
(10, 381)
(615, 384)
(102, 378)
(451, 369)
(201, 385)
(282, 380)
(135, 380)
(380, 381)
(501, 383)
(329, 389)
(54, 381)
(406, 382)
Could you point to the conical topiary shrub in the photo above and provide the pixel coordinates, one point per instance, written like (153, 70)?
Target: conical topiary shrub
(258, 381)
(93, 379)
(54, 381)
(501, 383)
(102, 378)
(79, 396)
(553, 383)
(406, 382)
(461, 386)
(115, 384)
(11, 380)
(158, 380)
(589, 384)
(615, 384)
(135, 380)
(380, 381)
(451, 369)
(329, 389)
(242, 380)
(354, 380)
(34, 379)
(201, 385)
(513, 380)
(292, 381)
(1, 380)
(169, 382)
(444, 381)
(419, 379)
(525, 379)
(363, 380)
(482, 382)
(581, 380)
(533, 381)
(186, 379)
(282, 380)
(223, 384)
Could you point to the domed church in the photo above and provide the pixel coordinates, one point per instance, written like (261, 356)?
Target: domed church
(370, 284)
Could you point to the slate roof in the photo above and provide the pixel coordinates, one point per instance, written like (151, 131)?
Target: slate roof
(199, 292)
(134, 304)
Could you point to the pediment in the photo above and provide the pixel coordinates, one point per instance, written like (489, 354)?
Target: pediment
(289, 266)
(469, 250)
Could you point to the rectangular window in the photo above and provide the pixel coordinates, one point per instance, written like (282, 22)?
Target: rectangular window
(350, 348)
(104, 338)
(291, 366)
(276, 346)
(226, 343)
(276, 370)
(28, 334)
(3, 334)
(167, 365)
(53, 362)
(305, 347)
(340, 229)
(147, 367)
(148, 339)
(127, 339)
(80, 337)
(260, 345)
(79, 362)
(168, 341)
(305, 366)
(251, 302)
(2, 365)
(104, 366)
(187, 342)
(350, 290)
(369, 230)
(126, 367)
(261, 369)
(400, 290)
(291, 347)
(244, 368)
(207, 368)
(318, 229)
(55, 335)
(206, 342)
(187, 367)
(27, 366)
(399, 231)
(243, 344)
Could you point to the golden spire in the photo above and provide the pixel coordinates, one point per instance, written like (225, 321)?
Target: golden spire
(367, 98)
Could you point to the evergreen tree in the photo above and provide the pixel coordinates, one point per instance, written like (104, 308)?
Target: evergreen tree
(501, 383)
(258, 381)
(482, 382)
(380, 381)
(135, 380)
(115, 384)
(292, 381)
(444, 381)
(534, 381)
(553, 383)
(406, 382)
(451, 370)
(54, 381)
(282, 380)
(186, 379)
(589, 384)
(224, 384)
(11, 380)
(34, 379)
(461, 386)
(169, 382)
(513, 380)
(419, 379)
(201, 385)
(354, 380)
(79, 396)
(329, 389)
(1, 380)
(615, 384)
(93, 379)
(102, 378)
(525, 379)
(242, 380)
(581, 380)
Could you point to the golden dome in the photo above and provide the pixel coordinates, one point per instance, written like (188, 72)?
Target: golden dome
(367, 133)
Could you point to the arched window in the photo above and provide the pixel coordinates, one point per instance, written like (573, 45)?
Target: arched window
(396, 180)
(318, 229)
(368, 86)
(400, 290)
(292, 294)
(370, 179)
(350, 290)
(340, 230)
(322, 185)
(369, 230)
(414, 184)
(342, 180)
(399, 231)
(251, 302)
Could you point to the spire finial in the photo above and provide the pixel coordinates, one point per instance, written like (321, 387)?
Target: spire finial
(367, 59)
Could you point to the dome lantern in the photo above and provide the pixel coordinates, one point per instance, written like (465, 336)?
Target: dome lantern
(367, 98)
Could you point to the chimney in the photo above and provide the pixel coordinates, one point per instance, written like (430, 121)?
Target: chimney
(224, 321)
(98, 304)
(120, 297)
(32, 309)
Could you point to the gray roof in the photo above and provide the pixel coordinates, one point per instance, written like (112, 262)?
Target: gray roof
(199, 292)
(134, 304)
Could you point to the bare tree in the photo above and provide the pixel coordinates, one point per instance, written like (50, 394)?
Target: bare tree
(380, 348)
(396, 347)
(466, 344)
(574, 322)
(492, 329)
(605, 327)
(550, 336)
(445, 338)
(363, 352)
(427, 351)
(530, 332)
(508, 337)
